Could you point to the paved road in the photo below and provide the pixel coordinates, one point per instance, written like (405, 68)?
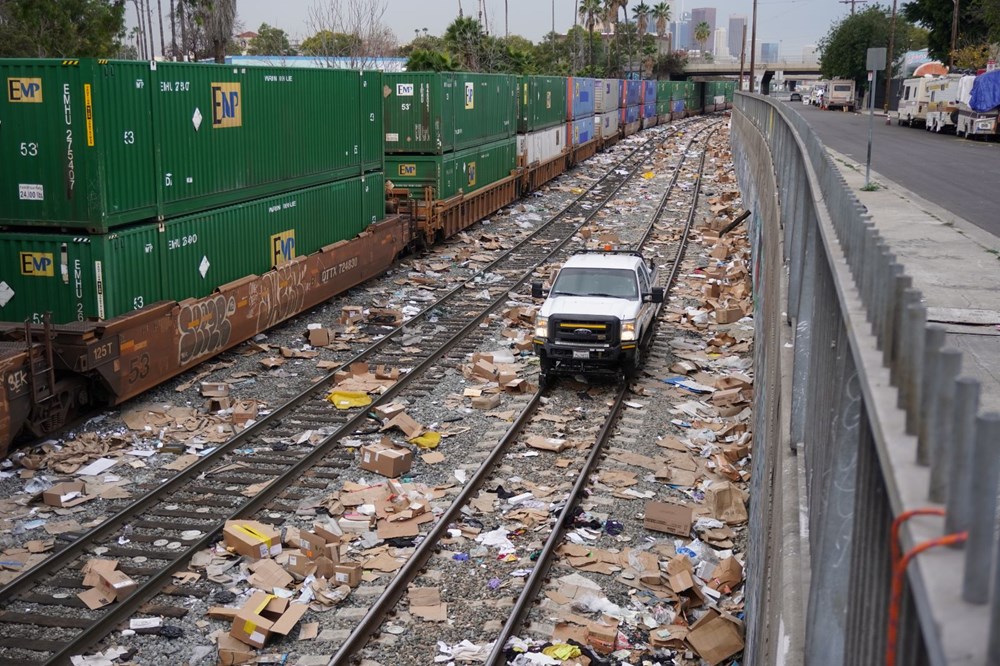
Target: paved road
(961, 176)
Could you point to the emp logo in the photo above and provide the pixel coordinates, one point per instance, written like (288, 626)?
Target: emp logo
(470, 174)
(37, 264)
(407, 170)
(470, 95)
(227, 105)
(282, 248)
(24, 90)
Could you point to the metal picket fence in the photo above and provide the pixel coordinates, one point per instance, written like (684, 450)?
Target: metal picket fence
(897, 471)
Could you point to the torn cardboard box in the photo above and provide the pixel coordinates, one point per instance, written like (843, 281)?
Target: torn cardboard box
(668, 517)
(263, 615)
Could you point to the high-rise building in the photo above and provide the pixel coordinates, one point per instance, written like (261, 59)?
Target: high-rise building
(769, 52)
(680, 32)
(736, 24)
(720, 47)
(706, 15)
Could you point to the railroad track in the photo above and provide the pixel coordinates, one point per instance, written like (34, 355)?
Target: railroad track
(156, 536)
(475, 606)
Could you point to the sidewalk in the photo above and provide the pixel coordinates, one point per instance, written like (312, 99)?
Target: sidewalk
(955, 264)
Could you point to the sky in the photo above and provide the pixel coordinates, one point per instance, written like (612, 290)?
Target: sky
(792, 23)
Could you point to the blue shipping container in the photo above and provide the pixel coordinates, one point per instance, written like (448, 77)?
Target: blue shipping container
(649, 110)
(582, 130)
(677, 106)
(630, 114)
(631, 93)
(648, 92)
(580, 98)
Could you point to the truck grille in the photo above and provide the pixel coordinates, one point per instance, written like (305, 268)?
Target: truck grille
(585, 330)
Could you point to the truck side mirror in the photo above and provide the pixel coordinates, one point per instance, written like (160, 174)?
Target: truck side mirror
(657, 294)
(536, 290)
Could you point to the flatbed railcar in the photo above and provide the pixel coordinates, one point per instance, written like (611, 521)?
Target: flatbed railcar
(49, 373)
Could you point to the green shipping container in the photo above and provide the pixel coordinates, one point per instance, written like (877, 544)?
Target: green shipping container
(541, 102)
(437, 112)
(102, 276)
(463, 171)
(93, 145)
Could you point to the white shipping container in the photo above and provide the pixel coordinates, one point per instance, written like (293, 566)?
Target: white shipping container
(543, 145)
(607, 94)
(607, 124)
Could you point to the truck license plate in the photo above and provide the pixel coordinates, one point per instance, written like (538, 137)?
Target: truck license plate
(581, 354)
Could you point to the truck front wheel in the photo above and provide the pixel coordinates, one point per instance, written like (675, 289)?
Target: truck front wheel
(633, 365)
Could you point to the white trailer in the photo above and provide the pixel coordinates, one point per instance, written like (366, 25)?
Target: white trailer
(942, 103)
(913, 100)
(840, 95)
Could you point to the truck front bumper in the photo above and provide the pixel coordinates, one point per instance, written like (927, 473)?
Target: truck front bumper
(585, 358)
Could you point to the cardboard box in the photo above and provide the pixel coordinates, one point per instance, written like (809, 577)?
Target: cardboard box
(263, 615)
(716, 638)
(669, 518)
(115, 585)
(232, 652)
(300, 565)
(311, 545)
(347, 573)
(251, 539)
(388, 461)
(67, 494)
(602, 637)
(268, 574)
(326, 531)
(728, 315)
(486, 402)
(319, 337)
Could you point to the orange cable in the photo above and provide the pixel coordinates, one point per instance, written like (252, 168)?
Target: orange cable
(899, 573)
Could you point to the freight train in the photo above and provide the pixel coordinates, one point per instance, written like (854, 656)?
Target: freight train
(153, 215)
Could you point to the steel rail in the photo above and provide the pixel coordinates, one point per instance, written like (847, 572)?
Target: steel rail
(398, 586)
(151, 587)
(539, 574)
(71, 551)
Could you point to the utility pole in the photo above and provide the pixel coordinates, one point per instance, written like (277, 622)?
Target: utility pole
(889, 61)
(743, 53)
(753, 46)
(852, 3)
(954, 35)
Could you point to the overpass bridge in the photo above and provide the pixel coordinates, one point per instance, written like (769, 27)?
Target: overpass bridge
(791, 68)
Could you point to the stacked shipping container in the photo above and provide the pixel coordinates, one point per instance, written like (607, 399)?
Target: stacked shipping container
(607, 95)
(449, 133)
(542, 131)
(138, 182)
(629, 108)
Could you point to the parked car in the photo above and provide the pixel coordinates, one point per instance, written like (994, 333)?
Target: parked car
(795, 97)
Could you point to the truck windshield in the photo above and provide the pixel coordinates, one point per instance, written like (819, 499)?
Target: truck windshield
(607, 282)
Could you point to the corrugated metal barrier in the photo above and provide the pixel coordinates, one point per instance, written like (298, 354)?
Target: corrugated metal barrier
(870, 456)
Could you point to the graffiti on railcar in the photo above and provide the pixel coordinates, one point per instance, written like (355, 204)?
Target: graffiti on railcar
(17, 382)
(280, 293)
(205, 327)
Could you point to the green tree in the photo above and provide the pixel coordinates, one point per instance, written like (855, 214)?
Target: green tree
(425, 43)
(327, 43)
(935, 15)
(422, 60)
(844, 49)
(61, 28)
(270, 41)
(669, 64)
(702, 32)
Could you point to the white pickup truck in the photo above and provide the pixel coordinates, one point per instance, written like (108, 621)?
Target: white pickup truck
(598, 314)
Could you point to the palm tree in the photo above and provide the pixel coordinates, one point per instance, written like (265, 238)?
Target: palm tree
(641, 14)
(702, 32)
(464, 37)
(661, 12)
(590, 10)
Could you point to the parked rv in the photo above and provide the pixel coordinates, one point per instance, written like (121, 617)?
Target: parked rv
(913, 100)
(942, 103)
(840, 95)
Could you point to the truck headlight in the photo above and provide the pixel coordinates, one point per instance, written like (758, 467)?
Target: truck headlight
(542, 327)
(628, 330)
